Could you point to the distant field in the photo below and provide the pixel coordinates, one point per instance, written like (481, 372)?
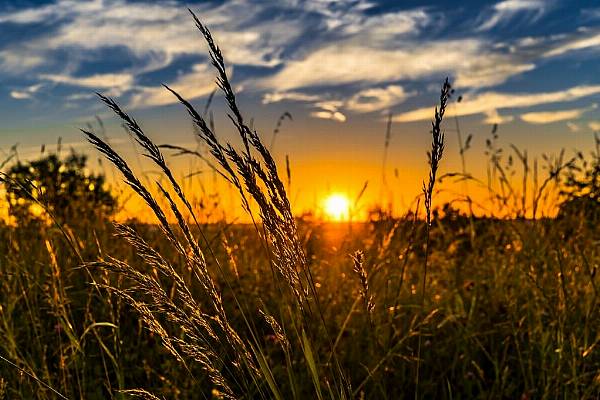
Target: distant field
(511, 311)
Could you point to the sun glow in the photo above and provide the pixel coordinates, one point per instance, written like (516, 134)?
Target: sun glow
(337, 207)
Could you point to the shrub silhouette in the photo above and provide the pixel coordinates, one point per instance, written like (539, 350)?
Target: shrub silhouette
(582, 187)
(62, 187)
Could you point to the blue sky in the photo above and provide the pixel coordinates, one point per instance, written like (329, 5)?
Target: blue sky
(340, 57)
(338, 66)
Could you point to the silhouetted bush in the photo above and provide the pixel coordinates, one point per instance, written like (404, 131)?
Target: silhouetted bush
(582, 187)
(62, 187)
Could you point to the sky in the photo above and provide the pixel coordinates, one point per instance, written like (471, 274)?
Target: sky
(340, 68)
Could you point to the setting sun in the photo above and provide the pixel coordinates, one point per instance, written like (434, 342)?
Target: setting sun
(337, 207)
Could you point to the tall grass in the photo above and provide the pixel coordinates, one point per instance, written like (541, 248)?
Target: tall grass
(243, 367)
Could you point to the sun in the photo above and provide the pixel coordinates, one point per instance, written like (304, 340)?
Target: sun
(337, 207)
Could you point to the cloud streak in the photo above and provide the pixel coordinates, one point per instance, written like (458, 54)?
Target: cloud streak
(199, 82)
(490, 102)
(505, 11)
(547, 117)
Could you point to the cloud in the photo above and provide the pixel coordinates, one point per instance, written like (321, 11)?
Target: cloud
(334, 115)
(376, 99)
(504, 11)
(490, 71)
(80, 96)
(588, 40)
(492, 117)
(276, 97)
(26, 93)
(594, 126)
(17, 60)
(197, 83)
(19, 95)
(121, 81)
(329, 110)
(364, 101)
(377, 28)
(51, 12)
(487, 102)
(349, 62)
(158, 31)
(547, 117)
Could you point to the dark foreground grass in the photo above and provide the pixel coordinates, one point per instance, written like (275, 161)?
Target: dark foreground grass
(511, 311)
(450, 307)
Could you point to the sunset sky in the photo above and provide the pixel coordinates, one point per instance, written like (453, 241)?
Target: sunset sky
(339, 68)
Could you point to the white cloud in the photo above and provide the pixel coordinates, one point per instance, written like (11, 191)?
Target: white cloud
(364, 101)
(329, 110)
(334, 115)
(349, 62)
(487, 102)
(98, 81)
(159, 32)
(26, 93)
(490, 71)
(594, 126)
(18, 60)
(376, 99)
(276, 97)
(80, 96)
(383, 27)
(199, 82)
(504, 11)
(492, 117)
(20, 95)
(547, 117)
(588, 40)
(51, 12)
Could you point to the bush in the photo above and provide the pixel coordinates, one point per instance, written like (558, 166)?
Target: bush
(62, 187)
(582, 187)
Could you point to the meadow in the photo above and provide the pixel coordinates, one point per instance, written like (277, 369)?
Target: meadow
(440, 303)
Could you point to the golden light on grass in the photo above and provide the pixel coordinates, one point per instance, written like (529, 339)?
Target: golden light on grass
(337, 207)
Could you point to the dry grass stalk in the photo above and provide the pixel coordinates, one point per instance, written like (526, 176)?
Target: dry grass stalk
(254, 178)
(434, 156)
(359, 270)
(277, 330)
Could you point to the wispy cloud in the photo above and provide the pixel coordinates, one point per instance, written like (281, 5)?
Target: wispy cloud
(329, 110)
(594, 126)
(546, 117)
(587, 40)
(363, 101)
(493, 117)
(505, 11)
(16, 60)
(158, 31)
(199, 82)
(121, 81)
(345, 63)
(491, 101)
(26, 93)
(376, 99)
(276, 97)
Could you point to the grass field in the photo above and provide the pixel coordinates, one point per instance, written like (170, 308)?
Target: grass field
(434, 304)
